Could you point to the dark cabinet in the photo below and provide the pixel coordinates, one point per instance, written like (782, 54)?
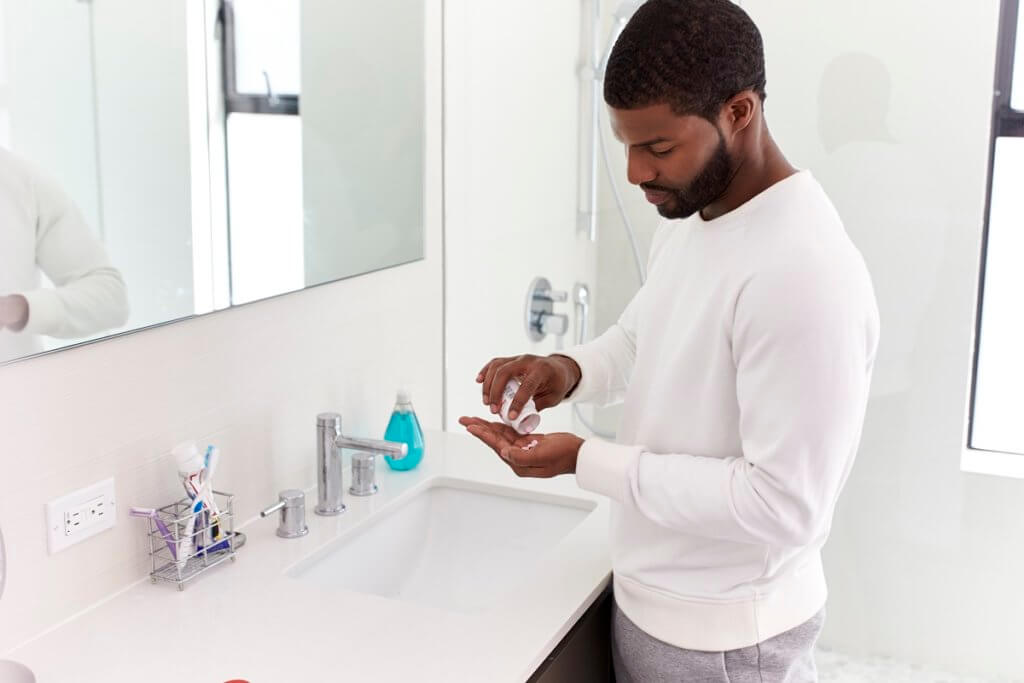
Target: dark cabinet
(585, 654)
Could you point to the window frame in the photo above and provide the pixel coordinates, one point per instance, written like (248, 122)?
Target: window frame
(245, 103)
(1006, 122)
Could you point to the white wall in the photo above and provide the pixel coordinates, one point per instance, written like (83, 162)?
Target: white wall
(618, 280)
(250, 379)
(513, 107)
(889, 105)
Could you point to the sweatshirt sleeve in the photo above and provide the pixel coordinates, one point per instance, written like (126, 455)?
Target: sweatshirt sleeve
(606, 363)
(804, 342)
(89, 294)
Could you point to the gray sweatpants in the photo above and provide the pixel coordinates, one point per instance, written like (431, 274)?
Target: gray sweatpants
(785, 658)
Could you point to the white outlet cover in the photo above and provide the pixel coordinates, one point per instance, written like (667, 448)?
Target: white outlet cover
(62, 534)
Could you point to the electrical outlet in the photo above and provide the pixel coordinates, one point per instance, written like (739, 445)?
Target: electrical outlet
(80, 514)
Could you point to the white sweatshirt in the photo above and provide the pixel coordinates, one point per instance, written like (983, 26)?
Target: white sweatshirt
(41, 231)
(744, 363)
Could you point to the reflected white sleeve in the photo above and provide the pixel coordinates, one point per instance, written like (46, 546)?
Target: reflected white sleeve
(89, 294)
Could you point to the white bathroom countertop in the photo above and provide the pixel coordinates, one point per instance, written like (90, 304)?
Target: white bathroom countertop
(249, 620)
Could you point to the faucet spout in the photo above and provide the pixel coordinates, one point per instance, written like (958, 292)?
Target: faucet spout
(329, 472)
(395, 449)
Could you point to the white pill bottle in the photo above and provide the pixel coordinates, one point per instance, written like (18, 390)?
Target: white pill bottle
(528, 419)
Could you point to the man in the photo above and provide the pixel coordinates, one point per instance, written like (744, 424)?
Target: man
(42, 232)
(744, 362)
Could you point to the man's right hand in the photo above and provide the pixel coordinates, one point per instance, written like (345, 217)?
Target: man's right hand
(13, 312)
(545, 379)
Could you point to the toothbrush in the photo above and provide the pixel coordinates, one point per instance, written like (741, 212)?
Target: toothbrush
(199, 483)
(205, 498)
(164, 531)
(224, 544)
(211, 460)
(202, 496)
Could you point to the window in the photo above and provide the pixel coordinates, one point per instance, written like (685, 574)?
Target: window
(262, 83)
(261, 56)
(997, 394)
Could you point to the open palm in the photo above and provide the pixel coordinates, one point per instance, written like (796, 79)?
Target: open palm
(530, 455)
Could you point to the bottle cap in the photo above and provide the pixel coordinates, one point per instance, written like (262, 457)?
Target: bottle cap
(187, 457)
(404, 396)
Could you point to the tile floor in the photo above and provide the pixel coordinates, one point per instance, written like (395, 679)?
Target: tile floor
(835, 667)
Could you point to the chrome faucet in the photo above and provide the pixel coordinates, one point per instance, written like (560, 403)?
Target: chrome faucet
(329, 472)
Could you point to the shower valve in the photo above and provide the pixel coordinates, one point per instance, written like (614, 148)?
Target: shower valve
(541, 319)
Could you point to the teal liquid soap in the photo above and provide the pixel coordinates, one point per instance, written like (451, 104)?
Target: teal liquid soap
(404, 427)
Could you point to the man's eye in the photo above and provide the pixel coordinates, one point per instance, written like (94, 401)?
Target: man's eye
(663, 153)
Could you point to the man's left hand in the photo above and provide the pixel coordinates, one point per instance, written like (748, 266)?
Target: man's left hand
(551, 455)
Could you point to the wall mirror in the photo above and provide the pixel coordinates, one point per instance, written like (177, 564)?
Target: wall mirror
(160, 159)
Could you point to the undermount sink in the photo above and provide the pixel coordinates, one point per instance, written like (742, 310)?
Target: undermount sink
(13, 672)
(455, 544)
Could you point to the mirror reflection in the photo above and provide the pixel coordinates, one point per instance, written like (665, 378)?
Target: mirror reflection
(160, 160)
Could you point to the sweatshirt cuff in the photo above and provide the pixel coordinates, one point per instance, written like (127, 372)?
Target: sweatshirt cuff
(45, 311)
(604, 467)
(591, 382)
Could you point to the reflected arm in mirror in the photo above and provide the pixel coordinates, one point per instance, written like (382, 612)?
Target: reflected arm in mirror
(89, 294)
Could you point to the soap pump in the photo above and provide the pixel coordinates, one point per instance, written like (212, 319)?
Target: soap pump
(404, 427)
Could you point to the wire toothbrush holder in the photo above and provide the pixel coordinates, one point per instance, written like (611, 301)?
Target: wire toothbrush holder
(183, 544)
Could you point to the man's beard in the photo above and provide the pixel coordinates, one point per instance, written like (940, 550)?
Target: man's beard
(710, 184)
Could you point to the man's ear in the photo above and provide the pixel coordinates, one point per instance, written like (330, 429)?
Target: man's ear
(739, 112)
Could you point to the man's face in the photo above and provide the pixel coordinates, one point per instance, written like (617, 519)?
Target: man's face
(681, 162)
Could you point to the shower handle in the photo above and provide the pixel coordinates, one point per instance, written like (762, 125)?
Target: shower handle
(581, 298)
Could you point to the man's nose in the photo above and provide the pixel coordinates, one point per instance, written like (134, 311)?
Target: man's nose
(637, 169)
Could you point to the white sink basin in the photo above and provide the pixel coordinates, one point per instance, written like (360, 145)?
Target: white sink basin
(456, 544)
(13, 672)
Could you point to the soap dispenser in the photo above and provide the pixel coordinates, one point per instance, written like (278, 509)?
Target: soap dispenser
(404, 427)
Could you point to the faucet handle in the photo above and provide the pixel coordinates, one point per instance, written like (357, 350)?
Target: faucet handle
(554, 323)
(364, 474)
(292, 504)
(364, 461)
